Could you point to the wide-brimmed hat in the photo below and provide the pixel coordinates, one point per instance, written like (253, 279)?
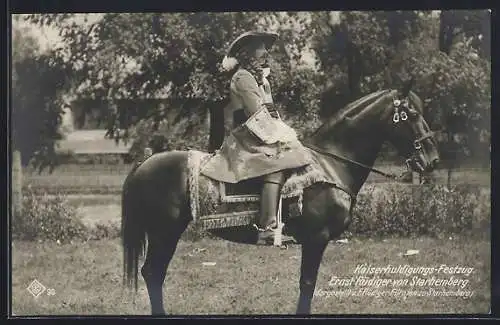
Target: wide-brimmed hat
(268, 38)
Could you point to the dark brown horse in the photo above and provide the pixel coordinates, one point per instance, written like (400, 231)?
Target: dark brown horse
(155, 200)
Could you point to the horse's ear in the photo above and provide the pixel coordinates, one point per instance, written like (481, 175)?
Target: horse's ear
(417, 101)
(407, 87)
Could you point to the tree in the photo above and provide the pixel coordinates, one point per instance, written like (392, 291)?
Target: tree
(175, 55)
(366, 51)
(474, 25)
(456, 87)
(358, 48)
(22, 48)
(464, 40)
(38, 82)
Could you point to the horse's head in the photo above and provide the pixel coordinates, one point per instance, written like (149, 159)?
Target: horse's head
(358, 130)
(410, 133)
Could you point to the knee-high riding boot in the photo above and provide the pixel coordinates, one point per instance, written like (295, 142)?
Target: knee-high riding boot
(269, 204)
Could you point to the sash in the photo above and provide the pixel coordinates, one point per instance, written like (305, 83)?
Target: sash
(269, 129)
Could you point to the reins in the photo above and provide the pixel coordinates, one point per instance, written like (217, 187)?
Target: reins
(403, 116)
(336, 156)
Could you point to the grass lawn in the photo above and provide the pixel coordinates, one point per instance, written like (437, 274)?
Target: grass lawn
(86, 278)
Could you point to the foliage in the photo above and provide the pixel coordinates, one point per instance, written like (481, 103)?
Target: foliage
(404, 210)
(172, 132)
(473, 25)
(409, 211)
(48, 218)
(153, 55)
(298, 97)
(38, 81)
(54, 218)
(457, 93)
(156, 55)
(359, 48)
(382, 210)
(366, 51)
(109, 230)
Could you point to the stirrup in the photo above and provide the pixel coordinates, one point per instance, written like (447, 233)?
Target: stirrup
(272, 226)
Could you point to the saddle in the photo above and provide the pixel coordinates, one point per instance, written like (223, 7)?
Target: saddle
(217, 204)
(246, 190)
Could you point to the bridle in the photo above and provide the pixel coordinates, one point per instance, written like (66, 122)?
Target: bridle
(417, 143)
(397, 118)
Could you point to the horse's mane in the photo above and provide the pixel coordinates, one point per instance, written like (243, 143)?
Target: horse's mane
(352, 110)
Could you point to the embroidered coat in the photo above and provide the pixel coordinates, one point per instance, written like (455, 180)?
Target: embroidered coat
(257, 141)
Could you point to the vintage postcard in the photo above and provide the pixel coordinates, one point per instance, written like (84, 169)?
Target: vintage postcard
(251, 163)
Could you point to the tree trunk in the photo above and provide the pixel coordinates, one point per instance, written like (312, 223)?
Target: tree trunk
(17, 184)
(451, 159)
(217, 125)
(353, 69)
(445, 33)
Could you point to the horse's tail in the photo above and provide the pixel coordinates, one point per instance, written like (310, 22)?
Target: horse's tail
(133, 231)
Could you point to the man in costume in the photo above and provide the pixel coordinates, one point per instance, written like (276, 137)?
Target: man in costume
(257, 143)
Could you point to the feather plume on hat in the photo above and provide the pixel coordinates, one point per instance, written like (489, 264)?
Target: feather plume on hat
(230, 62)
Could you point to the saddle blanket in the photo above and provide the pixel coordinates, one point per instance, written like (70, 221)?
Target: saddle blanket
(216, 204)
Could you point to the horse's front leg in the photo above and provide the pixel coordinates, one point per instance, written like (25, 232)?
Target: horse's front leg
(312, 254)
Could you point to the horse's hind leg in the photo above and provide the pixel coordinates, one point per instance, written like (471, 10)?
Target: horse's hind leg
(161, 249)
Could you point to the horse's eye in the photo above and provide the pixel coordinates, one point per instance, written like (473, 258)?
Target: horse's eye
(412, 112)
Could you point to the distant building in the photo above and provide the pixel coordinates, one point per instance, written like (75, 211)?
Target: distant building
(91, 142)
(84, 126)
